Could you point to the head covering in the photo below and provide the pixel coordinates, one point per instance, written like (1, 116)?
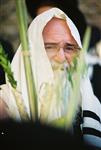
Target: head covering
(41, 66)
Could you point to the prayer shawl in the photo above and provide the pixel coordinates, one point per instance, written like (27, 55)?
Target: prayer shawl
(43, 73)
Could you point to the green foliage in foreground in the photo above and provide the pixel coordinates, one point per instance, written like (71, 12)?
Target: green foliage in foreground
(5, 63)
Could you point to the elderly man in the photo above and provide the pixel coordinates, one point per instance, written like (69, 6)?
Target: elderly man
(54, 42)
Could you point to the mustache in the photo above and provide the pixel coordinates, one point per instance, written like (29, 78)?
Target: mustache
(59, 66)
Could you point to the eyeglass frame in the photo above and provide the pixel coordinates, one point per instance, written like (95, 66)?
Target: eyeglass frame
(74, 48)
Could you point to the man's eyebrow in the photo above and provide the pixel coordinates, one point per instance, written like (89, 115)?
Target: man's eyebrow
(71, 44)
(50, 43)
(68, 44)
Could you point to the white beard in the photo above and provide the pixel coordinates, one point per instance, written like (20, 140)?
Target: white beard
(62, 86)
(55, 97)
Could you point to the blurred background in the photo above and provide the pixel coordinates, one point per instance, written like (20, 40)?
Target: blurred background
(8, 21)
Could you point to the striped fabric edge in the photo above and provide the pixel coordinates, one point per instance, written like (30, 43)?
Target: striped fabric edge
(91, 123)
(87, 113)
(91, 131)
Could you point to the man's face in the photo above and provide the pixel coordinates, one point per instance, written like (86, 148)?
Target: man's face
(59, 42)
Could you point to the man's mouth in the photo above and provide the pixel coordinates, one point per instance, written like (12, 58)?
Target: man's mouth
(59, 66)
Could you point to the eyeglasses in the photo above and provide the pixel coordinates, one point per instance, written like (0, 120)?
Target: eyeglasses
(54, 48)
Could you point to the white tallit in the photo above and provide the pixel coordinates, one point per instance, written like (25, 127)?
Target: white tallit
(41, 66)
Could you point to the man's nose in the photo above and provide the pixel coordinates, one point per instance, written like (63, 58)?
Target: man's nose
(60, 56)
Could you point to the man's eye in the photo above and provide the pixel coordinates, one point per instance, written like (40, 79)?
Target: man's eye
(48, 47)
(51, 48)
(69, 48)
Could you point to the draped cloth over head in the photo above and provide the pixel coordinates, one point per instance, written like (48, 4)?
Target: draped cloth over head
(41, 66)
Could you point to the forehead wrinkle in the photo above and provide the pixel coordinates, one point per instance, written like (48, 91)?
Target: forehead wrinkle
(57, 30)
(55, 24)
